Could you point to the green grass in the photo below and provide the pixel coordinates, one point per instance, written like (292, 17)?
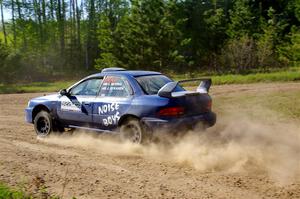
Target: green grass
(291, 74)
(9, 193)
(283, 76)
(34, 87)
(278, 105)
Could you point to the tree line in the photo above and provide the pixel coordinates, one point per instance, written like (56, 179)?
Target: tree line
(45, 38)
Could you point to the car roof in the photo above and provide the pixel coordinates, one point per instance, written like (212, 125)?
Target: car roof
(134, 73)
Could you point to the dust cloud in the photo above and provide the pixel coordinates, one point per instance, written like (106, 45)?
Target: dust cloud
(236, 144)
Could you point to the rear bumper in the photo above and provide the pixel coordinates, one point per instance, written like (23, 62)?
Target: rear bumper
(207, 119)
(28, 115)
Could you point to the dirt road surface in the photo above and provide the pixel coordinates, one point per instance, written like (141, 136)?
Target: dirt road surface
(250, 160)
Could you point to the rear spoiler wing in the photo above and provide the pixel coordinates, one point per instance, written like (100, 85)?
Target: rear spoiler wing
(204, 86)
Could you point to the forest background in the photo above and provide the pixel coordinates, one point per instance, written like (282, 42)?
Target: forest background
(50, 40)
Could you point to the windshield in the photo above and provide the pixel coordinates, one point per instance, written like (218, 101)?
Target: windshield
(152, 83)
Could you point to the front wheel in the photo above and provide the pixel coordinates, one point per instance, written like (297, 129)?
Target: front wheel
(43, 124)
(132, 130)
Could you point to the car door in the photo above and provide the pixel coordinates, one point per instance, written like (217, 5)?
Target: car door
(114, 99)
(76, 108)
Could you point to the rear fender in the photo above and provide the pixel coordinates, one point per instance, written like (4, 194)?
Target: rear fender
(125, 117)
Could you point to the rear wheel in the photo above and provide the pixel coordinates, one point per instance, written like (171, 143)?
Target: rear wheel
(132, 130)
(43, 125)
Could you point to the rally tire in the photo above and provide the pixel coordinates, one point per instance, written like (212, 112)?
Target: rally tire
(43, 124)
(132, 130)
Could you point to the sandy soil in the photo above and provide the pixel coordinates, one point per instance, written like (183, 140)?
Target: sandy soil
(250, 160)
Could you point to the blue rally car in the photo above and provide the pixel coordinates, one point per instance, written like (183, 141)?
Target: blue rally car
(132, 103)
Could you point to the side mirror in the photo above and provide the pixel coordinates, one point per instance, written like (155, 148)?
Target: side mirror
(63, 92)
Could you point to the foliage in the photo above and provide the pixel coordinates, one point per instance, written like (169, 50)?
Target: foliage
(6, 192)
(241, 20)
(147, 37)
(266, 41)
(107, 58)
(291, 51)
(238, 54)
(9, 63)
(41, 39)
(292, 74)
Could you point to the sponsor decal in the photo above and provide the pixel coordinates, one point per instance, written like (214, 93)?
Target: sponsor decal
(112, 84)
(71, 106)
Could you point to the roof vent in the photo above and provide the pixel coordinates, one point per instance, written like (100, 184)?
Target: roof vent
(112, 69)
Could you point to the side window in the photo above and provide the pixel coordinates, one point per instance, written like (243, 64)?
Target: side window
(115, 86)
(88, 87)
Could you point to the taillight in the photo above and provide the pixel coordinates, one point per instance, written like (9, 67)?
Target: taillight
(171, 111)
(209, 105)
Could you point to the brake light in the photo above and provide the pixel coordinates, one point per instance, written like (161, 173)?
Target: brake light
(171, 111)
(209, 105)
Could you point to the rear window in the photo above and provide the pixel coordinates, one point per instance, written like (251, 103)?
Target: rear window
(152, 83)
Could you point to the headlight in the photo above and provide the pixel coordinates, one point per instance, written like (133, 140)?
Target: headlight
(28, 105)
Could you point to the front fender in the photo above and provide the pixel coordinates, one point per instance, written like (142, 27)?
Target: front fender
(35, 107)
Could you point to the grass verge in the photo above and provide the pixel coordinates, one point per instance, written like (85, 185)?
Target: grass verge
(292, 74)
(278, 105)
(283, 76)
(6, 192)
(34, 87)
